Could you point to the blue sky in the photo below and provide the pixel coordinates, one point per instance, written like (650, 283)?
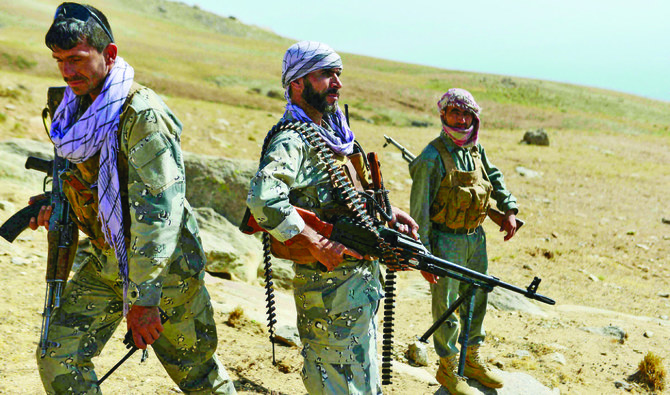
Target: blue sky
(613, 44)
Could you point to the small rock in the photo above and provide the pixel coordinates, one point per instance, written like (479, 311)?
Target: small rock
(536, 137)
(288, 335)
(522, 354)
(593, 278)
(665, 220)
(10, 107)
(554, 235)
(664, 317)
(417, 354)
(524, 172)
(643, 268)
(528, 267)
(664, 294)
(623, 385)
(630, 233)
(613, 331)
(648, 334)
(499, 364)
(19, 261)
(557, 357)
(643, 246)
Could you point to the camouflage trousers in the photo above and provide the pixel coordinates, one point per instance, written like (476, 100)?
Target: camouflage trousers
(468, 251)
(336, 321)
(340, 352)
(90, 311)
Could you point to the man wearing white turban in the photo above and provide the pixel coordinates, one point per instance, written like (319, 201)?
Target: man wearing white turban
(452, 181)
(336, 291)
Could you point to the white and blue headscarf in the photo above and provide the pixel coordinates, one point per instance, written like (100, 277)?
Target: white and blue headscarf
(77, 140)
(301, 59)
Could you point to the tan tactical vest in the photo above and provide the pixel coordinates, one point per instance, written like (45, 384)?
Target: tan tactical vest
(463, 198)
(83, 198)
(355, 168)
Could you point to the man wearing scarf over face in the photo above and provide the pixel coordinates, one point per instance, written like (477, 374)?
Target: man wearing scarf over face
(127, 189)
(452, 181)
(336, 291)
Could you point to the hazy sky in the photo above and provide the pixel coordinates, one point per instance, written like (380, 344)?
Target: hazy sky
(613, 44)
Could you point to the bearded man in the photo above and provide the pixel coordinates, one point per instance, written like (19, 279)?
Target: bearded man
(336, 291)
(452, 181)
(127, 190)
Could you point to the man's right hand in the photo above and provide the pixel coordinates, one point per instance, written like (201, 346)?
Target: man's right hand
(328, 252)
(42, 218)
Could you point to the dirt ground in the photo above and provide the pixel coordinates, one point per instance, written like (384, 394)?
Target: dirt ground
(595, 235)
(592, 362)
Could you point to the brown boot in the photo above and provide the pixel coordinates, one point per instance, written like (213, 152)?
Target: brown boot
(475, 368)
(448, 377)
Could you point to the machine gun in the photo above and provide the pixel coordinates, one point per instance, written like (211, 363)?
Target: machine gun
(496, 216)
(412, 254)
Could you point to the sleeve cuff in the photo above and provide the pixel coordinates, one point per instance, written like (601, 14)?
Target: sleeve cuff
(149, 294)
(291, 226)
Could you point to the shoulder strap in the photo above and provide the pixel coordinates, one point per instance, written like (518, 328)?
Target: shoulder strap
(447, 160)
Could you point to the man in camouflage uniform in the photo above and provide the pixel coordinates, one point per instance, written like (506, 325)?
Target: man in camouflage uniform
(336, 291)
(126, 188)
(452, 182)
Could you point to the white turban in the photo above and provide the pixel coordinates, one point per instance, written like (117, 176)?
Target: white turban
(306, 56)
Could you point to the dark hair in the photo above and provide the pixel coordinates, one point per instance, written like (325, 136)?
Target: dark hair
(66, 33)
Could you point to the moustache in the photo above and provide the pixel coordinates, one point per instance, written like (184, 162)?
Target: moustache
(332, 91)
(73, 79)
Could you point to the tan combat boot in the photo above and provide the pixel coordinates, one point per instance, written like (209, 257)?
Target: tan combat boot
(475, 368)
(448, 377)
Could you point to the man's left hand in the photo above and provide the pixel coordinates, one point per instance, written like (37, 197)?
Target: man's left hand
(404, 223)
(509, 225)
(145, 324)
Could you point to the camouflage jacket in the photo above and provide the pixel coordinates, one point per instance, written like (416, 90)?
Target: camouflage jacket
(164, 248)
(290, 175)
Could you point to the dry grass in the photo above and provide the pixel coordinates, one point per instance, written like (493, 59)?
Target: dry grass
(651, 372)
(235, 318)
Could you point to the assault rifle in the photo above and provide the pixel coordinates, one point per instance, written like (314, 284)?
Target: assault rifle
(63, 233)
(496, 216)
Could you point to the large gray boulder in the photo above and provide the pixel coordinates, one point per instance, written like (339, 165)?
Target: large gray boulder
(230, 253)
(219, 183)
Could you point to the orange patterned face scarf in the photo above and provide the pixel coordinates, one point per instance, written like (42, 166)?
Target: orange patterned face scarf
(464, 100)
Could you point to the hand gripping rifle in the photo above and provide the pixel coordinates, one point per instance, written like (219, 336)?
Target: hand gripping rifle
(496, 216)
(63, 233)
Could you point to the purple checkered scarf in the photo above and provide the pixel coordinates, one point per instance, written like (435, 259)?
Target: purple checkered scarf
(95, 131)
(301, 59)
(464, 100)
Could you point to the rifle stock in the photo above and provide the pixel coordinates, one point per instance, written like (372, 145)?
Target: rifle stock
(18, 222)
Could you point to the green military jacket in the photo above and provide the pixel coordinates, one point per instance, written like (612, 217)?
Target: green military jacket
(427, 172)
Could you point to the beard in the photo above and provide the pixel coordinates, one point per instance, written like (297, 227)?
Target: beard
(319, 100)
